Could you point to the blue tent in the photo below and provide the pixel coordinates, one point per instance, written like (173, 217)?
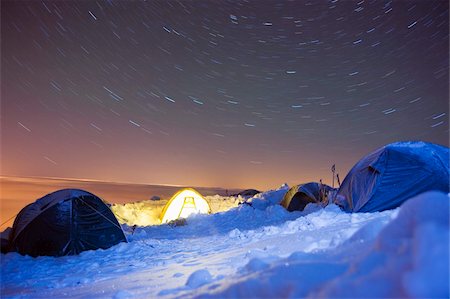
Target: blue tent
(65, 222)
(387, 177)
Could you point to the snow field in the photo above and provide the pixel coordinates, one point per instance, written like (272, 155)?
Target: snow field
(256, 251)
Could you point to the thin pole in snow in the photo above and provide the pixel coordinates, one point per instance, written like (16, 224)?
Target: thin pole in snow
(333, 170)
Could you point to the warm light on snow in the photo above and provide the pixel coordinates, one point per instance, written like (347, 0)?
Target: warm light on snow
(148, 212)
(183, 204)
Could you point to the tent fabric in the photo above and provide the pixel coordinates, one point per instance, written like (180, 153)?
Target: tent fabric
(4, 238)
(387, 177)
(299, 196)
(65, 222)
(184, 203)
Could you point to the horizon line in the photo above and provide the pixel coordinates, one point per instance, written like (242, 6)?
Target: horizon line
(112, 182)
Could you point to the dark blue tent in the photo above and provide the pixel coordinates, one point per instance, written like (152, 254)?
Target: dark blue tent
(299, 196)
(384, 179)
(65, 222)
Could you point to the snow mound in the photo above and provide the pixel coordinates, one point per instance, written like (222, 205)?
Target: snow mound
(199, 278)
(408, 258)
(140, 213)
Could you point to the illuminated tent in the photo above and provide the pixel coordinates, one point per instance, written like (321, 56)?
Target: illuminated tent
(65, 222)
(387, 177)
(184, 203)
(299, 196)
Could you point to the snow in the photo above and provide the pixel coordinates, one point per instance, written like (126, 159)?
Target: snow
(147, 212)
(199, 278)
(254, 250)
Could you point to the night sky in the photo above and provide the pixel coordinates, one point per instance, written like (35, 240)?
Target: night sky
(217, 93)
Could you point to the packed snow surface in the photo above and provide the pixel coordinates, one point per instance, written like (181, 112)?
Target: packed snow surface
(257, 250)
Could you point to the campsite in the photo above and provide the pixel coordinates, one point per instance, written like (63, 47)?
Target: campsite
(259, 246)
(224, 149)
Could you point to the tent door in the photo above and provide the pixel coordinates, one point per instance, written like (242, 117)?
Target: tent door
(188, 207)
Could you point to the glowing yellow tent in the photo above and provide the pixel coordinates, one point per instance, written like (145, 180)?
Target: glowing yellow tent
(184, 203)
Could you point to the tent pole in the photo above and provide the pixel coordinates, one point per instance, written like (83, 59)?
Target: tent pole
(333, 169)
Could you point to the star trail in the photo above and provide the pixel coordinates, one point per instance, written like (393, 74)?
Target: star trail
(217, 93)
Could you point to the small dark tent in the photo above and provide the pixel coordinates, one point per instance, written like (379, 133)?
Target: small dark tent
(387, 177)
(65, 222)
(299, 196)
(247, 193)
